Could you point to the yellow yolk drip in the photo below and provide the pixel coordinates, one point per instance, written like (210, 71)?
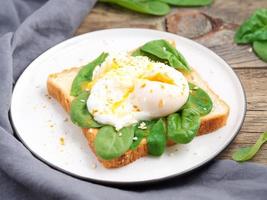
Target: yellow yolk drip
(88, 85)
(124, 97)
(161, 78)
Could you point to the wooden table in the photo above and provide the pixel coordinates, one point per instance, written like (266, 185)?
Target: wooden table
(213, 27)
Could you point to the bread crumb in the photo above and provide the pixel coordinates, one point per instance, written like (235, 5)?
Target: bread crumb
(161, 103)
(62, 140)
(94, 165)
(49, 97)
(135, 138)
(143, 85)
(94, 111)
(171, 154)
(135, 108)
(142, 126)
(250, 50)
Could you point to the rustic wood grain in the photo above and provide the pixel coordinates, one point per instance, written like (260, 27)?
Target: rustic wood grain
(214, 27)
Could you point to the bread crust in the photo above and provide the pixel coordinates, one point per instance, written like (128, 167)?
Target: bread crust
(208, 124)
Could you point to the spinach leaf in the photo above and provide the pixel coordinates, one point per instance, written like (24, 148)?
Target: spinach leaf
(246, 153)
(188, 2)
(85, 74)
(156, 140)
(79, 113)
(182, 127)
(260, 48)
(163, 51)
(142, 6)
(110, 144)
(140, 136)
(253, 29)
(198, 100)
(139, 52)
(141, 133)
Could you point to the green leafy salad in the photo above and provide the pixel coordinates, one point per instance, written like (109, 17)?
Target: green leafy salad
(254, 31)
(152, 105)
(156, 7)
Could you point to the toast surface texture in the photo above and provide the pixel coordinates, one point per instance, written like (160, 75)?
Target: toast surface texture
(59, 86)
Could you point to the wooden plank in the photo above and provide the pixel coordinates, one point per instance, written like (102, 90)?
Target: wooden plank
(255, 123)
(260, 157)
(106, 16)
(212, 26)
(255, 85)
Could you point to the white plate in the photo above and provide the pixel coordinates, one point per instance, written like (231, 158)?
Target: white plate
(40, 122)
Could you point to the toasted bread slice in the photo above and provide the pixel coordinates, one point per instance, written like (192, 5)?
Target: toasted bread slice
(59, 86)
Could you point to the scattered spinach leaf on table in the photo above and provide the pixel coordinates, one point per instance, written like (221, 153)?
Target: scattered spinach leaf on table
(142, 6)
(110, 144)
(260, 48)
(85, 74)
(246, 153)
(79, 113)
(188, 2)
(253, 29)
(155, 7)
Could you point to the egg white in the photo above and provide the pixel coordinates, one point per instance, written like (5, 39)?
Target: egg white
(127, 89)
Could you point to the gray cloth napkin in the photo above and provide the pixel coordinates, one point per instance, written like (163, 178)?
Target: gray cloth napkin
(28, 28)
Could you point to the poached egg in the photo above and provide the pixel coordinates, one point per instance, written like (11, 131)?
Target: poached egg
(126, 89)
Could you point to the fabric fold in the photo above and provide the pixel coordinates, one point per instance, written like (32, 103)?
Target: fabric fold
(27, 29)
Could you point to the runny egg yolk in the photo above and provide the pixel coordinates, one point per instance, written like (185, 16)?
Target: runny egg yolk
(124, 97)
(113, 66)
(159, 77)
(132, 89)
